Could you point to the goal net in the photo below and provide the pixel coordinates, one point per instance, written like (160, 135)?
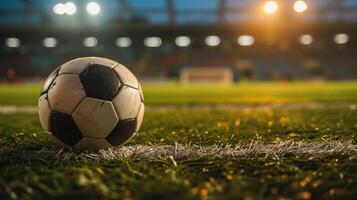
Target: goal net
(206, 75)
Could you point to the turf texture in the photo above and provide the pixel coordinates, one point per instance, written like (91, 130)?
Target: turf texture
(33, 167)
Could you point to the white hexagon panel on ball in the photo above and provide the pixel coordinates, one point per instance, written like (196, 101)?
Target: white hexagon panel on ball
(44, 111)
(95, 118)
(127, 102)
(126, 76)
(65, 93)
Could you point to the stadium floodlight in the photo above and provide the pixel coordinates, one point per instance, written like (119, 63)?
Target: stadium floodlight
(93, 8)
(49, 42)
(183, 41)
(341, 38)
(152, 41)
(306, 39)
(212, 40)
(123, 42)
(12, 42)
(300, 6)
(59, 9)
(270, 7)
(246, 40)
(70, 8)
(90, 42)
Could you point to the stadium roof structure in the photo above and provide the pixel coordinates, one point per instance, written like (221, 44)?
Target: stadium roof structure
(168, 12)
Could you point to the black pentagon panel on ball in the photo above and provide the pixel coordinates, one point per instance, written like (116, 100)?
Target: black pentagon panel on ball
(64, 128)
(122, 132)
(100, 82)
(49, 81)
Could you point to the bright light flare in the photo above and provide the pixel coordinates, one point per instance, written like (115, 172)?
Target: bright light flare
(300, 6)
(270, 7)
(93, 8)
(70, 8)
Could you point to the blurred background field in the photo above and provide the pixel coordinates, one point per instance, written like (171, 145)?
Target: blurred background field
(241, 93)
(256, 40)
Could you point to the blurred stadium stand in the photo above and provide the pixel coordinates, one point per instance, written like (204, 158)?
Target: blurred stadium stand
(319, 43)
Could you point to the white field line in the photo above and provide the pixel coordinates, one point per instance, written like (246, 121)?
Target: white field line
(192, 152)
(220, 107)
(229, 107)
(254, 148)
(18, 109)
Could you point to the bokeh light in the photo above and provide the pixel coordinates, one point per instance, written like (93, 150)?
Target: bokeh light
(93, 8)
(70, 8)
(90, 42)
(212, 40)
(300, 6)
(306, 39)
(152, 41)
(123, 42)
(246, 40)
(341, 38)
(59, 9)
(183, 41)
(12, 42)
(49, 42)
(270, 7)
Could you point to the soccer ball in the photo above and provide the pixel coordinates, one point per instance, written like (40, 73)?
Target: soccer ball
(91, 103)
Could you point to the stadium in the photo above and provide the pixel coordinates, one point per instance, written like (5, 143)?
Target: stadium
(243, 99)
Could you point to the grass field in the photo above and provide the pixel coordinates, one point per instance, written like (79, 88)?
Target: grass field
(249, 148)
(246, 93)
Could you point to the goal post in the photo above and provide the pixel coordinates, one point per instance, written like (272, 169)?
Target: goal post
(222, 75)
